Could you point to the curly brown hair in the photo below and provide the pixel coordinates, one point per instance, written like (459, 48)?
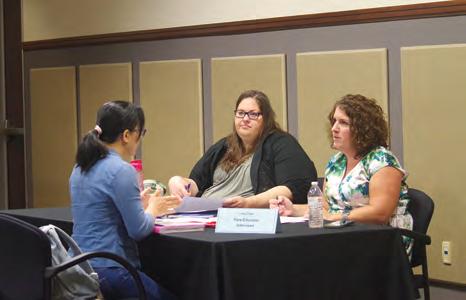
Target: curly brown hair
(368, 126)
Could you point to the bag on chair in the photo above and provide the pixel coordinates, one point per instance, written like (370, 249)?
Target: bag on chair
(77, 282)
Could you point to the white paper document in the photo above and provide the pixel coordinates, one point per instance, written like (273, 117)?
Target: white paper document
(175, 219)
(284, 219)
(199, 204)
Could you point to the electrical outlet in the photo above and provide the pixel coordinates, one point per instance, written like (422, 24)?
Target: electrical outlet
(446, 252)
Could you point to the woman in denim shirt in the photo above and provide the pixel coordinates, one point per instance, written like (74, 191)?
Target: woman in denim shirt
(109, 211)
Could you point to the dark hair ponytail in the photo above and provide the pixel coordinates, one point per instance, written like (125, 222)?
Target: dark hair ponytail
(113, 118)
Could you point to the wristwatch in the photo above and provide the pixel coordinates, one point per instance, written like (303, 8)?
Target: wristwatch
(344, 217)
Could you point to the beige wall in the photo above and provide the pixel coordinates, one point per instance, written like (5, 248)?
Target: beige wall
(323, 78)
(171, 95)
(99, 84)
(64, 18)
(434, 134)
(53, 134)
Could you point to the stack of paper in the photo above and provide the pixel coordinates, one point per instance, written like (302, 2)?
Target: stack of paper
(199, 204)
(170, 225)
(179, 227)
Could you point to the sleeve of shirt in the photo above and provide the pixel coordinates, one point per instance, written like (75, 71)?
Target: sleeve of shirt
(128, 201)
(383, 158)
(293, 168)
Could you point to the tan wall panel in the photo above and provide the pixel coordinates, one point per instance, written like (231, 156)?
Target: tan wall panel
(53, 19)
(54, 134)
(233, 75)
(99, 84)
(434, 131)
(171, 95)
(323, 78)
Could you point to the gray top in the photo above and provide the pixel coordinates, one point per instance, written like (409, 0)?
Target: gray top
(237, 182)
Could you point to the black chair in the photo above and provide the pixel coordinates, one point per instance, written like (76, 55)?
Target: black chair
(25, 262)
(320, 182)
(421, 208)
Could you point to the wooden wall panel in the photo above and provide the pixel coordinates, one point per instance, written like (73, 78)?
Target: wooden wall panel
(54, 134)
(434, 131)
(171, 95)
(322, 79)
(99, 84)
(233, 75)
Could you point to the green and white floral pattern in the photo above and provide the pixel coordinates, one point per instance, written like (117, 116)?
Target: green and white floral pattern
(352, 191)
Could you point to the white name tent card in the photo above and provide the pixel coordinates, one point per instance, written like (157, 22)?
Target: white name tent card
(198, 204)
(247, 220)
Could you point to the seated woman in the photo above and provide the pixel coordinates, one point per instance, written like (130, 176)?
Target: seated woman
(256, 162)
(108, 213)
(364, 182)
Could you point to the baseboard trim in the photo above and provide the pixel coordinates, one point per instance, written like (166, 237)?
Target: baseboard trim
(448, 284)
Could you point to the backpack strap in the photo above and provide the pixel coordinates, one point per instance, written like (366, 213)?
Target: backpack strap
(71, 243)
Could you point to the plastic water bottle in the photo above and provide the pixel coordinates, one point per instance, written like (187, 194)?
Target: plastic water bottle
(137, 164)
(314, 201)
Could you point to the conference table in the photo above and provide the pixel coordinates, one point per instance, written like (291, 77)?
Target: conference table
(359, 261)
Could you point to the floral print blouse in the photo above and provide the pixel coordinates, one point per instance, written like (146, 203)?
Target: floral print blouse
(345, 194)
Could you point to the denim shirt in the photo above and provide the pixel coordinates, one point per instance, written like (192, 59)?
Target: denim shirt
(107, 210)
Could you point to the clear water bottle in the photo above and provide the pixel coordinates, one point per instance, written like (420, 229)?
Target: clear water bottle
(314, 201)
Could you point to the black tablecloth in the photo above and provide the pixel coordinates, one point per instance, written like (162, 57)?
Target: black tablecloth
(58, 216)
(355, 262)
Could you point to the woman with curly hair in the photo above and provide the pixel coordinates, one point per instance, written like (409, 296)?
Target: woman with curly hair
(364, 182)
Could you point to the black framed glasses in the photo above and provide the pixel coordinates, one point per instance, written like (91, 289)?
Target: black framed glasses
(252, 115)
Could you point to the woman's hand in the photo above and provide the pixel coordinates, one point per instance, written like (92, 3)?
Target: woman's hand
(180, 186)
(284, 205)
(145, 196)
(236, 201)
(159, 206)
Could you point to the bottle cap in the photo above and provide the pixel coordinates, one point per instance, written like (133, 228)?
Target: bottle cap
(314, 183)
(137, 164)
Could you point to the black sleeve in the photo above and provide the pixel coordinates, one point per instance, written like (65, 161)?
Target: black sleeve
(292, 167)
(202, 172)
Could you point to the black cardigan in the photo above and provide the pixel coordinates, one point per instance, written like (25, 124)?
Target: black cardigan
(278, 160)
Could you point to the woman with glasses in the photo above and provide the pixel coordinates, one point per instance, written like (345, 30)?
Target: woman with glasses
(108, 214)
(257, 161)
(364, 182)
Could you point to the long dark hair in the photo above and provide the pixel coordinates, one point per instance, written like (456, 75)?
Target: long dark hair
(113, 118)
(236, 152)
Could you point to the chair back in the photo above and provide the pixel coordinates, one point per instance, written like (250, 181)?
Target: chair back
(24, 255)
(421, 208)
(320, 181)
